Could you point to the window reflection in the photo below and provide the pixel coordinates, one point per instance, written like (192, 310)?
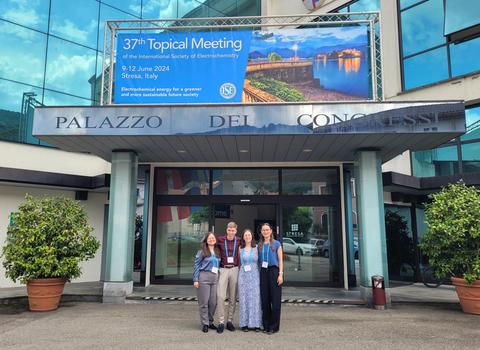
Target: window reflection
(426, 68)
(406, 3)
(472, 119)
(310, 181)
(192, 9)
(182, 182)
(11, 113)
(161, 9)
(465, 57)
(461, 15)
(69, 67)
(365, 5)
(68, 23)
(422, 27)
(245, 182)
(133, 7)
(32, 14)
(110, 13)
(435, 162)
(22, 57)
(471, 157)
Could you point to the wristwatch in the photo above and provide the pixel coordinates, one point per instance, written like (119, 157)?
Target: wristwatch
(281, 272)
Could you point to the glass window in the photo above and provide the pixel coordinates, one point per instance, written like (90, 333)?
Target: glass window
(310, 182)
(163, 9)
(11, 114)
(22, 57)
(182, 182)
(463, 57)
(304, 260)
(192, 9)
(471, 157)
(245, 182)
(226, 7)
(53, 98)
(32, 14)
(69, 67)
(131, 6)
(179, 231)
(461, 15)
(109, 13)
(435, 162)
(68, 23)
(426, 68)
(422, 27)
(406, 3)
(472, 119)
(365, 6)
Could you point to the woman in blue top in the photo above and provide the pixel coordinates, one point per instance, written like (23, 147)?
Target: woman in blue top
(271, 279)
(205, 278)
(249, 284)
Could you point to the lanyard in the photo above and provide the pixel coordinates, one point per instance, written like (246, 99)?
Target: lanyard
(215, 262)
(235, 246)
(250, 259)
(263, 252)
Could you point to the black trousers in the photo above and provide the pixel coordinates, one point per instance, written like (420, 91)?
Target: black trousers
(271, 294)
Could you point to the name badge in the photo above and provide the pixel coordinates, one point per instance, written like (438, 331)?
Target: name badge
(247, 267)
(230, 259)
(265, 264)
(215, 269)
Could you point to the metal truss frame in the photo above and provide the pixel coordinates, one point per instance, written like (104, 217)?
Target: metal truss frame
(113, 27)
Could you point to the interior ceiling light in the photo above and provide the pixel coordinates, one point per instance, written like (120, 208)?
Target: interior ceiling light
(243, 151)
(306, 150)
(181, 151)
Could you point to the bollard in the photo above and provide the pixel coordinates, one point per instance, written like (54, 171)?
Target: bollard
(378, 289)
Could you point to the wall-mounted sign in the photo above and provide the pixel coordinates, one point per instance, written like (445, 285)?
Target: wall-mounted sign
(300, 65)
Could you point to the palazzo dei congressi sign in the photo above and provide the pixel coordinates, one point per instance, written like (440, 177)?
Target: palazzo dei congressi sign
(251, 119)
(299, 65)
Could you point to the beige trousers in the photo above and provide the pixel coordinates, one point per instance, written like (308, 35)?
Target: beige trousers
(227, 278)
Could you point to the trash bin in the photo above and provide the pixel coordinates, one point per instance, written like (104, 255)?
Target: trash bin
(378, 289)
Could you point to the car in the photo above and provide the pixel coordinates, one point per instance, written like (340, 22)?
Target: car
(326, 248)
(292, 247)
(318, 244)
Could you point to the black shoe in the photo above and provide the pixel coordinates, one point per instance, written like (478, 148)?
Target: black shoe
(257, 329)
(230, 327)
(205, 329)
(245, 329)
(265, 330)
(272, 332)
(212, 326)
(220, 328)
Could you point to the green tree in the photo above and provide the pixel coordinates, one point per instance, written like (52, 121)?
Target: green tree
(199, 216)
(273, 56)
(452, 241)
(300, 216)
(399, 244)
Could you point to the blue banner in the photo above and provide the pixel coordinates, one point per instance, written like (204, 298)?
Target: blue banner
(203, 67)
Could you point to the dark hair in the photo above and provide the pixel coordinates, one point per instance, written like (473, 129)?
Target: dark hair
(242, 243)
(204, 246)
(262, 239)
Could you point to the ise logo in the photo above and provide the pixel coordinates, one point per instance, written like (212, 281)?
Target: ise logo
(228, 90)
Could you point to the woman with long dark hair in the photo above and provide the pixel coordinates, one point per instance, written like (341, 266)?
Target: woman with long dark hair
(271, 279)
(249, 284)
(205, 278)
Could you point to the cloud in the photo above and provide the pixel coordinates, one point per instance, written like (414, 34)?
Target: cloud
(70, 31)
(71, 74)
(166, 9)
(25, 13)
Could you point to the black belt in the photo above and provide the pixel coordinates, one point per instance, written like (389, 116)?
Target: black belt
(228, 266)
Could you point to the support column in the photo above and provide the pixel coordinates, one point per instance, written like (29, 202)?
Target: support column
(121, 218)
(352, 279)
(371, 222)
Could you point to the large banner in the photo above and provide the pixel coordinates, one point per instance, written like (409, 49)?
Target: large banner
(300, 65)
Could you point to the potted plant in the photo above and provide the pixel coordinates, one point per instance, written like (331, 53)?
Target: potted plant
(46, 240)
(452, 242)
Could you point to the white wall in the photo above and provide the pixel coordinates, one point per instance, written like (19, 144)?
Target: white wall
(12, 196)
(29, 157)
(399, 164)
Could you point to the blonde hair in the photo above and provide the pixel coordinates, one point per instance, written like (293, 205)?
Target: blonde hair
(232, 224)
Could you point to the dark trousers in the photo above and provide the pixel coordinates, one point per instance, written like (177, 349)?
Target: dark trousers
(271, 294)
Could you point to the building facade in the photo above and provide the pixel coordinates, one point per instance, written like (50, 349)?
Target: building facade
(309, 189)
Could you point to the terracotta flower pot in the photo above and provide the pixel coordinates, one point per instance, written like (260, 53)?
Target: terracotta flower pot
(44, 293)
(469, 295)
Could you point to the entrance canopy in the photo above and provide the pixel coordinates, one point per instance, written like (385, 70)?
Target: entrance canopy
(251, 132)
